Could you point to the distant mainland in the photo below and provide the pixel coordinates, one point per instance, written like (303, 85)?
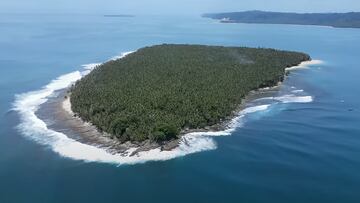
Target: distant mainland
(118, 16)
(339, 20)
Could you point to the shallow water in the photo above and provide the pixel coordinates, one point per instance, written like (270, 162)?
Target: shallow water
(305, 151)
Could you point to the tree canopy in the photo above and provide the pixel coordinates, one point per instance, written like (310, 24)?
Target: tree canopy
(342, 20)
(156, 91)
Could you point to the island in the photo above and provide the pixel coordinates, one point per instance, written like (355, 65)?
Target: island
(118, 16)
(338, 20)
(159, 93)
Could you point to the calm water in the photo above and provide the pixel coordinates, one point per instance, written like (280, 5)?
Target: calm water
(291, 152)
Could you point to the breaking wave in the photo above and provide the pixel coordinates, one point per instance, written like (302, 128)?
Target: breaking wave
(305, 64)
(36, 129)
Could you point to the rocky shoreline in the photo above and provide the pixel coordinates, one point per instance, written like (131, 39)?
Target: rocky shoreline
(57, 111)
(57, 114)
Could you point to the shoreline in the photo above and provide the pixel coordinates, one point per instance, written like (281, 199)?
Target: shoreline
(289, 24)
(57, 114)
(86, 133)
(90, 135)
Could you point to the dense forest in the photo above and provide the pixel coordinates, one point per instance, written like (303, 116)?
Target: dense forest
(345, 20)
(159, 90)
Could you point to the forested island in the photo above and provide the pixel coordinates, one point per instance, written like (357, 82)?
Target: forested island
(158, 92)
(340, 20)
(118, 16)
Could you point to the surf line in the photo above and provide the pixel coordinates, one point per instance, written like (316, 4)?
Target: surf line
(34, 128)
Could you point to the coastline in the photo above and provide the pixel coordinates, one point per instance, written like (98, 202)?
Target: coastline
(43, 121)
(328, 19)
(87, 133)
(288, 24)
(65, 121)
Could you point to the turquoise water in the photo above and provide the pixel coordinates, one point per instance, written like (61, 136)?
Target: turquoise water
(294, 150)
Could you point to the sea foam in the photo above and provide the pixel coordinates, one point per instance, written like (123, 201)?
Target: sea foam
(34, 128)
(305, 64)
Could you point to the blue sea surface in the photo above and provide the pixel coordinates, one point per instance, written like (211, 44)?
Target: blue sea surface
(290, 152)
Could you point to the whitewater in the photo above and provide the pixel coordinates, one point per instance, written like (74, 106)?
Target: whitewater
(34, 128)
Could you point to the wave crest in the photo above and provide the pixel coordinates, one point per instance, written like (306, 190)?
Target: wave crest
(34, 128)
(305, 64)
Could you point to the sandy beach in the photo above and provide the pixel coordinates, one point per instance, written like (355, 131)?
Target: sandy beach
(65, 121)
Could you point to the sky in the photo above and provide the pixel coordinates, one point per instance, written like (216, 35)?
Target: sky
(174, 6)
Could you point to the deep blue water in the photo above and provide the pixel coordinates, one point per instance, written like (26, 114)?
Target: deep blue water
(292, 152)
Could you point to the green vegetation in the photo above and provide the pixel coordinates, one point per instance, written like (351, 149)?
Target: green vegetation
(345, 20)
(157, 91)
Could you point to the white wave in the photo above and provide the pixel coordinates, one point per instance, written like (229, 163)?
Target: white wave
(91, 66)
(36, 129)
(121, 55)
(297, 91)
(255, 109)
(294, 99)
(305, 64)
(289, 98)
(28, 103)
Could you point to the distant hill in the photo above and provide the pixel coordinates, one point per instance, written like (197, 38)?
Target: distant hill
(118, 16)
(341, 20)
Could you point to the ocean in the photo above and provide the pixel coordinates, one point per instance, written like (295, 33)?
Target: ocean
(299, 144)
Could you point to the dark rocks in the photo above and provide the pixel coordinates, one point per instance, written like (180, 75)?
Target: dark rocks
(170, 145)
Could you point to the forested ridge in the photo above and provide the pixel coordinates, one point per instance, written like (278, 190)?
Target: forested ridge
(341, 20)
(156, 91)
